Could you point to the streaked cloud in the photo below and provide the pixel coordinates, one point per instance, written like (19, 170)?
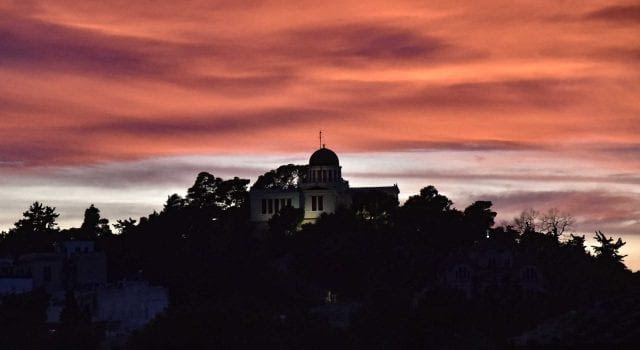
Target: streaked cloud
(616, 13)
(498, 99)
(594, 209)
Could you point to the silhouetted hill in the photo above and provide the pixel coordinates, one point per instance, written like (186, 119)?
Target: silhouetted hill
(375, 275)
(610, 323)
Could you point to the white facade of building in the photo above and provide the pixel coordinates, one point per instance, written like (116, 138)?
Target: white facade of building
(321, 190)
(126, 306)
(15, 285)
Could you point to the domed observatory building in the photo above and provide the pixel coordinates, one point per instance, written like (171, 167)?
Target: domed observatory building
(321, 189)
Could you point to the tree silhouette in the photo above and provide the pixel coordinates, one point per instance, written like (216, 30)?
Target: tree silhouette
(286, 220)
(93, 225)
(174, 202)
(505, 235)
(576, 243)
(212, 192)
(285, 177)
(282, 226)
(35, 232)
(609, 251)
(374, 206)
(479, 218)
(394, 268)
(430, 200)
(527, 222)
(203, 192)
(232, 193)
(38, 219)
(429, 216)
(125, 226)
(556, 223)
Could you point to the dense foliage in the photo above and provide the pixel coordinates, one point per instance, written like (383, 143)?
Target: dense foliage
(369, 276)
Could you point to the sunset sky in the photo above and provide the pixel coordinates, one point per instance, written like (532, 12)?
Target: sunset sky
(529, 104)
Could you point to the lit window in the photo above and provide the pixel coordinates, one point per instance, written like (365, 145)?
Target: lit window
(320, 203)
(264, 206)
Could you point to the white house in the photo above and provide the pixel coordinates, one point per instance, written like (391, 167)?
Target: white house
(321, 190)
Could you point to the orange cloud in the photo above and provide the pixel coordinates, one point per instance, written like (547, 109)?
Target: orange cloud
(94, 82)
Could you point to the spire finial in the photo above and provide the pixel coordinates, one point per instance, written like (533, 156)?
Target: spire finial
(321, 145)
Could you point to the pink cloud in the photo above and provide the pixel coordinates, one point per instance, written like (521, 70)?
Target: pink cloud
(505, 95)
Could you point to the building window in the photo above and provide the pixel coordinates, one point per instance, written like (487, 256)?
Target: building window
(270, 206)
(277, 204)
(288, 202)
(319, 175)
(530, 274)
(330, 175)
(283, 203)
(264, 206)
(324, 176)
(317, 203)
(463, 274)
(313, 176)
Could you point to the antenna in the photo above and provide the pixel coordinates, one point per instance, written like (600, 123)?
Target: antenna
(320, 138)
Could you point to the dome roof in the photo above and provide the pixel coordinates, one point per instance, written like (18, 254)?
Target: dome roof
(324, 157)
